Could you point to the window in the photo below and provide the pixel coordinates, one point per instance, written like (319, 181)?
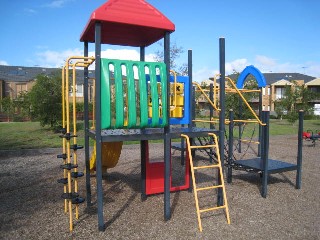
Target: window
(263, 91)
(280, 92)
(268, 108)
(263, 107)
(79, 90)
(269, 91)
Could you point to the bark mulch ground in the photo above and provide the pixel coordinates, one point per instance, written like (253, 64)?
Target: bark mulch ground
(31, 207)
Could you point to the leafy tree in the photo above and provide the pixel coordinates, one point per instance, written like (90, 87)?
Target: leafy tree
(22, 104)
(7, 107)
(295, 98)
(45, 99)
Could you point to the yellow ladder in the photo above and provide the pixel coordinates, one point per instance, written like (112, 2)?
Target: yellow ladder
(216, 165)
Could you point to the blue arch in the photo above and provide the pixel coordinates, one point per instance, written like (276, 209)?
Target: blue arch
(255, 72)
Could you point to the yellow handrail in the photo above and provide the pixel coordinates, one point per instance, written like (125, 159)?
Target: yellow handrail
(245, 101)
(206, 96)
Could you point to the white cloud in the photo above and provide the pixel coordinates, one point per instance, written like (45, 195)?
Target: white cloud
(51, 58)
(265, 61)
(29, 11)
(2, 62)
(203, 74)
(56, 3)
(237, 65)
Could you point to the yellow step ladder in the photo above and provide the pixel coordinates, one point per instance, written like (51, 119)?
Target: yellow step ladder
(221, 185)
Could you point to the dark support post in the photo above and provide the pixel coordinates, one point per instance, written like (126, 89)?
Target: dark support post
(240, 125)
(192, 105)
(211, 116)
(260, 127)
(265, 155)
(98, 125)
(167, 140)
(230, 149)
(222, 112)
(299, 155)
(143, 148)
(86, 126)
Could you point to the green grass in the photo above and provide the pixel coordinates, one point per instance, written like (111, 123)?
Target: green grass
(30, 135)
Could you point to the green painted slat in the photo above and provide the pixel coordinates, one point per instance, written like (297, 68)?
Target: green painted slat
(163, 76)
(119, 94)
(131, 91)
(106, 93)
(143, 96)
(154, 95)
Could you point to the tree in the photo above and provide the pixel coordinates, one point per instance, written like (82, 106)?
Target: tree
(22, 105)
(7, 107)
(45, 98)
(175, 52)
(295, 98)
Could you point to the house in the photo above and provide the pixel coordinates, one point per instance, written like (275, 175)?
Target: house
(274, 90)
(17, 79)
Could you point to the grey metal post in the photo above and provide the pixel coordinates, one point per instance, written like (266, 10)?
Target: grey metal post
(260, 127)
(222, 112)
(98, 125)
(240, 127)
(86, 127)
(192, 106)
(167, 140)
(299, 155)
(143, 147)
(230, 148)
(265, 157)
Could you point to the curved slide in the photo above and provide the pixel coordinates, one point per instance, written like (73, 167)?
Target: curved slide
(110, 155)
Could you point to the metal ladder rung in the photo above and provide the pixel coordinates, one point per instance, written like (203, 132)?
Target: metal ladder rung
(207, 166)
(212, 209)
(208, 188)
(205, 146)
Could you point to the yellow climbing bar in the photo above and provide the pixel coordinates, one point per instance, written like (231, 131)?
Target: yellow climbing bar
(206, 96)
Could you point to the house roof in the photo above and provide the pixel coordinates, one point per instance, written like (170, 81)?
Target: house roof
(128, 23)
(23, 74)
(27, 74)
(272, 78)
(282, 82)
(314, 82)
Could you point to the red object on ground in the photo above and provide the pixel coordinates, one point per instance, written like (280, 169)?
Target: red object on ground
(127, 23)
(155, 176)
(306, 135)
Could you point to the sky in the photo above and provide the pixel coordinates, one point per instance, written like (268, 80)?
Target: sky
(275, 35)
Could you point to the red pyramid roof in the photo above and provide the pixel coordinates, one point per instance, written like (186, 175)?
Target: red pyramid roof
(127, 22)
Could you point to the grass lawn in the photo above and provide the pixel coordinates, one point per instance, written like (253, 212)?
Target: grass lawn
(30, 135)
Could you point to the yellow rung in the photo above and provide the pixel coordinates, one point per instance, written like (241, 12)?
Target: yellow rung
(211, 187)
(212, 209)
(245, 140)
(206, 146)
(207, 166)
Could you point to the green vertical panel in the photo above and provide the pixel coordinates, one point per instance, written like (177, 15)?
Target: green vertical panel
(132, 106)
(163, 76)
(119, 94)
(154, 95)
(105, 95)
(143, 96)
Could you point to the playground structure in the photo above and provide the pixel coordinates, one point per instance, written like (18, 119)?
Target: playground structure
(312, 136)
(138, 100)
